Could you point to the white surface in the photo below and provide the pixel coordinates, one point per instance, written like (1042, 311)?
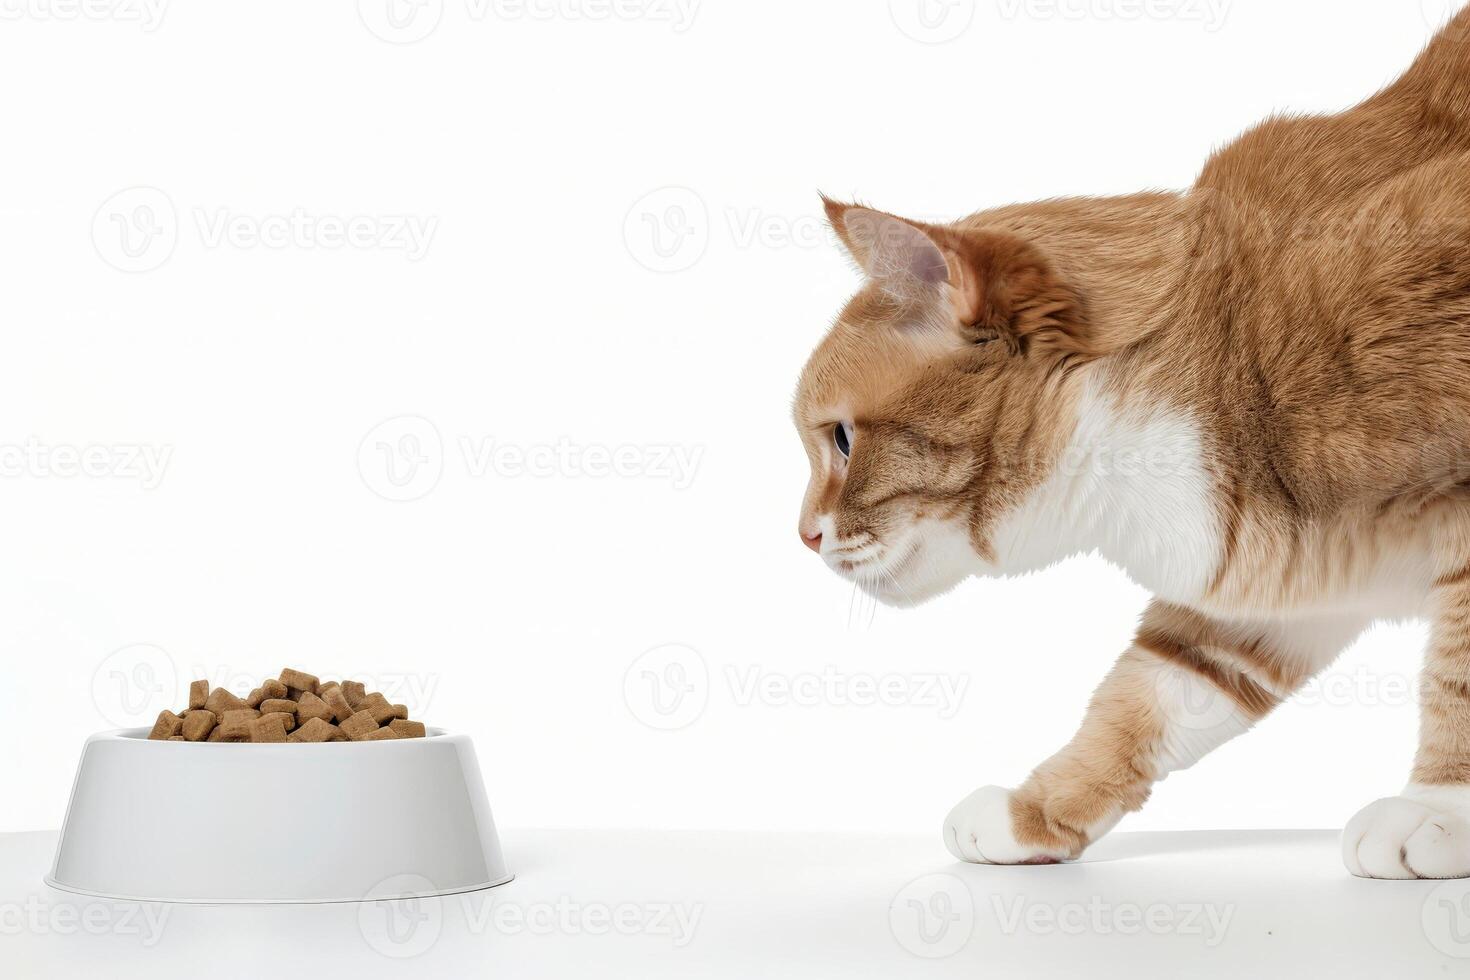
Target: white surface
(513, 597)
(694, 904)
(210, 822)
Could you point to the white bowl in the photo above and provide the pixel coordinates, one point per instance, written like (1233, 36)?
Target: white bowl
(222, 822)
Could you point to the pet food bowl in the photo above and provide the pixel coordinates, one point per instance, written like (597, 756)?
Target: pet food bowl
(222, 822)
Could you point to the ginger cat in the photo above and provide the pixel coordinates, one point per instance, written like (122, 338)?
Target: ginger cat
(1253, 396)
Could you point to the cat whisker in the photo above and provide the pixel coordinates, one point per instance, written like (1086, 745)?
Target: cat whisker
(893, 580)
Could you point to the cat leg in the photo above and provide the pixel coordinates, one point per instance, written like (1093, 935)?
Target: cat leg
(1186, 686)
(1425, 831)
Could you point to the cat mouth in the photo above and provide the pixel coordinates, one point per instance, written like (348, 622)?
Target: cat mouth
(846, 557)
(873, 568)
(919, 564)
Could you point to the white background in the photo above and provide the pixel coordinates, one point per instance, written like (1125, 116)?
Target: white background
(538, 309)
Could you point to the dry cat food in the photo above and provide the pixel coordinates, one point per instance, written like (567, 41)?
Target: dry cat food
(296, 707)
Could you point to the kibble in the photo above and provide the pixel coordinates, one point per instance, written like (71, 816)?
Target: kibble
(318, 730)
(297, 680)
(225, 732)
(295, 707)
(408, 729)
(355, 692)
(337, 702)
(310, 706)
(287, 718)
(379, 707)
(269, 728)
(220, 701)
(238, 717)
(198, 725)
(359, 725)
(167, 726)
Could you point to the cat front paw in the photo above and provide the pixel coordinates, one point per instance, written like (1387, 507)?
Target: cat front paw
(1423, 834)
(981, 830)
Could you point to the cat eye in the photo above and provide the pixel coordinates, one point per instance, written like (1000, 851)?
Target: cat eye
(843, 439)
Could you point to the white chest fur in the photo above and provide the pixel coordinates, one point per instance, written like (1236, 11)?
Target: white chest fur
(1132, 485)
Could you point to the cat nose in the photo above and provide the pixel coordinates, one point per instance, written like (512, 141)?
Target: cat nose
(814, 543)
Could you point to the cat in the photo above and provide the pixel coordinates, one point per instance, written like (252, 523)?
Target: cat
(1253, 396)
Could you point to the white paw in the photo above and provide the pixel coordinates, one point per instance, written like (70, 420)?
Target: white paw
(979, 831)
(1423, 834)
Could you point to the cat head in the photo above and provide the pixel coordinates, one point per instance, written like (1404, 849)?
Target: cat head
(936, 404)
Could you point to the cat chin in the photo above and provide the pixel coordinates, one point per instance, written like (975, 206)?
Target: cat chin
(920, 582)
(921, 563)
(911, 597)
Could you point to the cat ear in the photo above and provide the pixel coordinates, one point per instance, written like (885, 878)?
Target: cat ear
(1007, 288)
(897, 254)
(997, 286)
